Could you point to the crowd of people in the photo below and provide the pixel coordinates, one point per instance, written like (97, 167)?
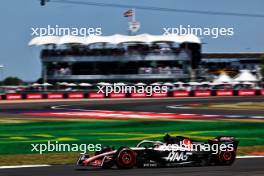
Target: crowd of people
(188, 86)
(87, 87)
(211, 86)
(230, 66)
(160, 70)
(60, 71)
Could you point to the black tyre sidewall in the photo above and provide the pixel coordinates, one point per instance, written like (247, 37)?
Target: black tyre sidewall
(119, 158)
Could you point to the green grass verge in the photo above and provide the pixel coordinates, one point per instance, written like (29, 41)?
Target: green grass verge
(236, 106)
(17, 135)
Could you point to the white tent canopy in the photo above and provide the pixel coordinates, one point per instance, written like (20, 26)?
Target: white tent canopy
(104, 84)
(35, 85)
(72, 84)
(248, 83)
(194, 83)
(85, 84)
(140, 84)
(245, 76)
(205, 83)
(113, 39)
(156, 84)
(223, 78)
(46, 84)
(63, 84)
(120, 84)
(168, 84)
(178, 83)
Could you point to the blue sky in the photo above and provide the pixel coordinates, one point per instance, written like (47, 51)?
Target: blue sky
(19, 16)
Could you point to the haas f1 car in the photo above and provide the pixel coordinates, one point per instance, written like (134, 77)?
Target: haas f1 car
(172, 151)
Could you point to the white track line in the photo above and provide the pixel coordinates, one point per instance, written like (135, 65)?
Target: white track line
(250, 156)
(178, 107)
(64, 107)
(23, 166)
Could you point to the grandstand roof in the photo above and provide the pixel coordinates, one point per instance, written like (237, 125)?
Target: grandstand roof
(113, 39)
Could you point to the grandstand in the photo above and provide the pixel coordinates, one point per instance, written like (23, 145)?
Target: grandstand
(231, 63)
(118, 57)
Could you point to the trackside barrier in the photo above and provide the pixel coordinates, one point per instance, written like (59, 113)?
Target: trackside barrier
(224, 93)
(96, 95)
(138, 95)
(202, 93)
(159, 94)
(117, 95)
(13, 96)
(33, 96)
(181, 93)
(80, 95)
(246, 92)
(75, 95)
(55, 96)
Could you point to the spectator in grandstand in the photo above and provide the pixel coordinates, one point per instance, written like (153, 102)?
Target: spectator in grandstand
(167, 70)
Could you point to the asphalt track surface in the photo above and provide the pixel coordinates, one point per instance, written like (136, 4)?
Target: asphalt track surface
(145, 105)
(242, 167)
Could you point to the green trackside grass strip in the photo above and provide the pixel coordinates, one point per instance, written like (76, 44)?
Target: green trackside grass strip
(235, 106)
(15, 138)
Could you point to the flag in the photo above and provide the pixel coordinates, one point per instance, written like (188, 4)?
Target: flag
(129, 13)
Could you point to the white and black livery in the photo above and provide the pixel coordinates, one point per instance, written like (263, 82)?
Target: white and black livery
(171, 152)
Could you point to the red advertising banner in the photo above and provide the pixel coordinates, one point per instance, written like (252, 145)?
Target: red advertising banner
(34, 96)
(138, 95)
(96, 95)
(262, 92)
(55, 96)
(224, 93)
(117, 95)
(181, 93)
(202, 93)
(246, 92)
(13, 96)
(75, 95)
(159, 94)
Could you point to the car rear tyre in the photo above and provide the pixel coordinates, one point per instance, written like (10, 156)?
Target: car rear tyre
(226, 157)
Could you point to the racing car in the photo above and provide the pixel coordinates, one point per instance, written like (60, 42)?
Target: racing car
(171, 151)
